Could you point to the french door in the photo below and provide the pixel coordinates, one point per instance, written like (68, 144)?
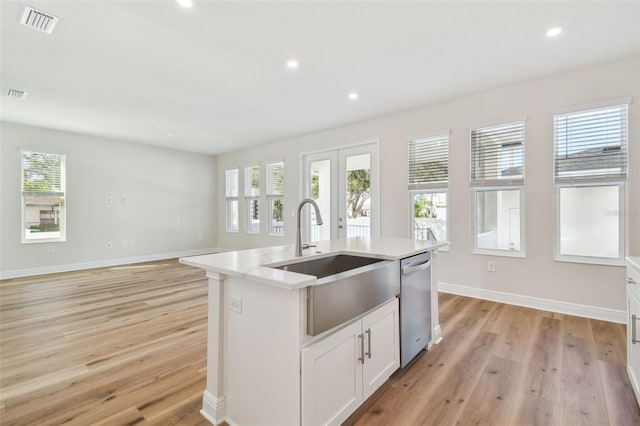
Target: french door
(345, 184)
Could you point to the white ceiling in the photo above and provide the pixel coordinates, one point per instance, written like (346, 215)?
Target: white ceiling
(213, 78)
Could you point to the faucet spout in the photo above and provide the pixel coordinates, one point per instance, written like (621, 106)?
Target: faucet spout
(318, 221)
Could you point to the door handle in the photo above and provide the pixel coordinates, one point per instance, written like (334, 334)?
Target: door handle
(361, 337)
(368, 354)
(411, 269)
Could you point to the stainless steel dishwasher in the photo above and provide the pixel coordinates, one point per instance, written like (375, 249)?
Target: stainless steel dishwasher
(415, 306)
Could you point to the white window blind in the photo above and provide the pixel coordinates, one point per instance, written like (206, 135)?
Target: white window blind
(429, 162)
(591, 145)
(43, 174)
(275, 178)
(497, 155)
(231, 186)
(252, 181)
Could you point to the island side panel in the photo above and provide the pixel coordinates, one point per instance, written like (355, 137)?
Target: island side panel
(213, 402)
(262, 368)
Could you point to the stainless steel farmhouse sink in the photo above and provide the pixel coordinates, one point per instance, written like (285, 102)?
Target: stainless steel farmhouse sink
(347, 286)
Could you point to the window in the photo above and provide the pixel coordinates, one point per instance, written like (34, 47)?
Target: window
(428, 183)
(252, 198)
(275, 192)
(590, 173)
(231, 193)
(497, 186)
(43, 191)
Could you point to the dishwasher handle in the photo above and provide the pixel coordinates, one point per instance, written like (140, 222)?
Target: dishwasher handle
(407, 270)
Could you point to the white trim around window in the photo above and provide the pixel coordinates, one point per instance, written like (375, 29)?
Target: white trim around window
(581, 243)
(43, 188)
(496, 236)
(590, 166)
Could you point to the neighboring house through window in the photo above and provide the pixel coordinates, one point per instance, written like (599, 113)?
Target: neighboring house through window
(43, 196)
(497, 188)
(428, 184)
(590, 174)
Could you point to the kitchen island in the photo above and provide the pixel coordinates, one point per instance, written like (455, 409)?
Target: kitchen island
(263, 367)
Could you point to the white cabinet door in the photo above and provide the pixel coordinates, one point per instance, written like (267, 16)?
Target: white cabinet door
(382, 347)
(332, 377)
(633, 355)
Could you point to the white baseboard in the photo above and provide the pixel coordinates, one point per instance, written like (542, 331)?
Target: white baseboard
(17, 273)
(213, 409)
(586, 311)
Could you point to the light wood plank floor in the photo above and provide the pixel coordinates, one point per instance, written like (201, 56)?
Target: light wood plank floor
(506, 365)
(127, 345)
(113, 346)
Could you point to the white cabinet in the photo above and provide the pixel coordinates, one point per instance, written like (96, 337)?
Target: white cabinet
(633, 325)
(342, 370)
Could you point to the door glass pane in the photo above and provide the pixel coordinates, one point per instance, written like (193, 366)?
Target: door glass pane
(358, 195)
(430, 211)
(320, 178)
(590, 221)
(498, 220)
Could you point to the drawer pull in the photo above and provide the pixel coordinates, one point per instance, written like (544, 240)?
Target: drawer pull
(361, 337)
(630, 280)
(633, 329)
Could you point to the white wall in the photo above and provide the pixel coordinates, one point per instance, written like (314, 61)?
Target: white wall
(170, 200)
(537, 275)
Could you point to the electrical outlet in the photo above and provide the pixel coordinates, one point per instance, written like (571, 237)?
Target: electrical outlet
(50, 249)
(109, 245)
(491, 266)
(131, 244)
(125, 244)
(235, 304)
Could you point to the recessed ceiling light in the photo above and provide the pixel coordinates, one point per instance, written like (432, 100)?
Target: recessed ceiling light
(554, 31)
(292, 64)
(185, 3)
(353, 96)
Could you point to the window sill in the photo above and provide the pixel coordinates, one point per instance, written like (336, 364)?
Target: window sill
(501, 253)
(590, 260)
(45, 241)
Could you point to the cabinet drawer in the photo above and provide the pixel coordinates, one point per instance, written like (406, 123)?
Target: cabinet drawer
(633, 280)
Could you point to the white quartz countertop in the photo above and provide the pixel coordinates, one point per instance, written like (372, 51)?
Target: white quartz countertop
(634, 261)
(250, 264)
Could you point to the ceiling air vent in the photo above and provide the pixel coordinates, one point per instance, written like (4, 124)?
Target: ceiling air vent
(39, 20)
(18, 94)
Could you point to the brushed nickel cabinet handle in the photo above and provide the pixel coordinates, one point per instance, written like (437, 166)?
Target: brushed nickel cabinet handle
(630, 280)
(368, 354)
(361, 337)
(633, 329)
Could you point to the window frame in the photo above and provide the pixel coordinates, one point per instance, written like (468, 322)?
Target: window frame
(44, 194)
(250, 197)
(477, 186)
(592, 181)
(498, 252)
(622, 224)
(412, 194)
(272, 196)
(229, 200)
(428, 187)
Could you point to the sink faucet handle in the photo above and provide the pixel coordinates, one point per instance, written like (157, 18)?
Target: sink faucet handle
(307, 245)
